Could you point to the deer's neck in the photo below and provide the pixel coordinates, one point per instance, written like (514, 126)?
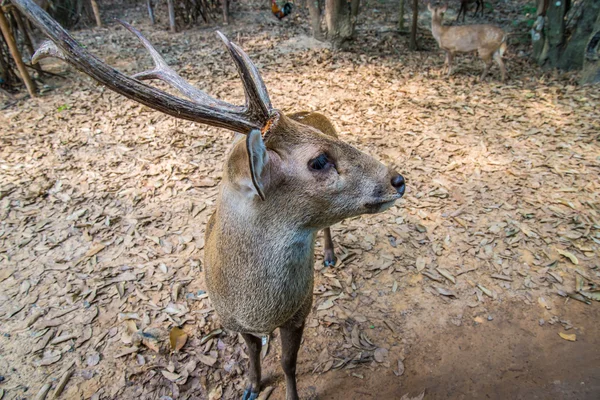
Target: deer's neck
(437, 29)
(279, 236)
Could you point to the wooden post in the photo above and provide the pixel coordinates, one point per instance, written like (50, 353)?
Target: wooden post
(413, 28)
(171, 5)
(14, 51)
(96, 13)
(225, 11)
(401, 17)
(150, 11)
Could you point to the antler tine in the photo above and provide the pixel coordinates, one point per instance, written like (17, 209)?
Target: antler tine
(67, 48)
(163, 72)
(257, 98)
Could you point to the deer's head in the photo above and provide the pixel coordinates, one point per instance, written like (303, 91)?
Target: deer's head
(283, 164)
(437, 13)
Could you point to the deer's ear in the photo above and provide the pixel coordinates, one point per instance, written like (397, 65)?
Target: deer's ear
(429, 7)
(258, 158)
(316, 120)
(444, 8)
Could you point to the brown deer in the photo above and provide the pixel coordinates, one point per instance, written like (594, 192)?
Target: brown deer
(287, 179)
(464, 5)
(489, 41)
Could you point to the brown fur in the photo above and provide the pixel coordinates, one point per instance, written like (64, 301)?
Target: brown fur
(259, 254)
(489, 41)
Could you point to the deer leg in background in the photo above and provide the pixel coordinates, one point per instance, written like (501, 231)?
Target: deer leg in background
(254, 345)
(150, 11)
(479, 4)
(487, 61)
(291, 337)
(498, 59)
(460, 10)
(449, 57)
(329, 255)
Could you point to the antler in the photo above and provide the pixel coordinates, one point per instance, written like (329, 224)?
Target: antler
(203, 108)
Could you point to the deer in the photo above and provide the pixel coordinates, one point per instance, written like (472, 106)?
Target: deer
(286, 177)
(489, 41)
(464, 5)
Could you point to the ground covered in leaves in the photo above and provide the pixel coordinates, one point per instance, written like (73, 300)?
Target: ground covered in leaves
(480, 283)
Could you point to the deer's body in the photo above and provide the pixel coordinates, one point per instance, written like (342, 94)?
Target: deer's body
(256, 286)
(281, 269)
(489, 41)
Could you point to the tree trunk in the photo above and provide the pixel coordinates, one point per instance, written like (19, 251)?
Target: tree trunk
(413, 28)
(572, 56)
(354, 8)
(14, 51)
(331, 18)
(591, 62)
(150, 11)
(401, 17)
(314, 10)
(171, 5)
(538, 38)
(339, 20)
(225, 6)
(96, 13)
(555, 29)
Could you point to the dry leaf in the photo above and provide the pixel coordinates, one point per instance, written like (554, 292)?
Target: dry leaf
(400, 370)
(93, 359)
(215, 393)
(95, 249)
(6, 273)
(571, 337)
(207, 359)
(445, 292)
(177, 338)
(407, 397)
(380, 354)
(170, 375)
(327, 304)
(568, 255)
(446, 274)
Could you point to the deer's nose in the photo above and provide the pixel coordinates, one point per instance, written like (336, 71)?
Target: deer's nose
(398, 183)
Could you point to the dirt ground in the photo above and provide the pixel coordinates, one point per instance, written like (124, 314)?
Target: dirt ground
(479, 284)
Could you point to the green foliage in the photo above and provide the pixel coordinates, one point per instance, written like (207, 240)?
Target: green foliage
(63, 108)
(529, 11)
(529, 8)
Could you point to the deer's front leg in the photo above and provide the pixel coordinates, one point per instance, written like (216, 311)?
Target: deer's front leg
(291, 336)
(253, 344)
(329, 255)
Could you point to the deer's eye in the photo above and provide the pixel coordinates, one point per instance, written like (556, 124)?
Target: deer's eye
(321, 162)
